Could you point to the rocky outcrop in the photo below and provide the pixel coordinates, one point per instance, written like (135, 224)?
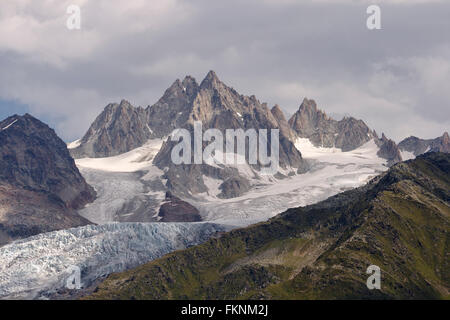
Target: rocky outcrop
(118, 129)
(323, 131)
(352, 133)
(388, 150)
(309, 119)
(419, 146)
(24, 213)
(173, 108)
(234, 187)
(347, 134)
(40, 186)
(176, 210)
(283, 124)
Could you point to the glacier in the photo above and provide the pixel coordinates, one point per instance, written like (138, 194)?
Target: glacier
(35, 267)
(125, 188)
(331, 171)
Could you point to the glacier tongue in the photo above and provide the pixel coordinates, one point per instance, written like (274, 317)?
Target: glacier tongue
(32, 267)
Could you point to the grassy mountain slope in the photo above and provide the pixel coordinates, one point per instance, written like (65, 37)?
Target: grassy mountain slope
(399, 221)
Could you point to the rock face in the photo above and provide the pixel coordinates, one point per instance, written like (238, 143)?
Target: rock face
(419, 146)
(314, 124)
(234, 187)
(283, 124)
(173, 108)
(176, 210)
(118, 129)
(40, 186)
(388, 150)
(346, 134)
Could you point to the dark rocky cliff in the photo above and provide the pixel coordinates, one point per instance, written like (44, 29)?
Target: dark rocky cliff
(40, 186)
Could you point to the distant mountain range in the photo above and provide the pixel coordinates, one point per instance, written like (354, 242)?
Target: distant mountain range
(122, 128)
(413, 146)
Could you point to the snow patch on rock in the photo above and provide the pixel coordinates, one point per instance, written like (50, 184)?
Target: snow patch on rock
(74, 144)
(406, 155)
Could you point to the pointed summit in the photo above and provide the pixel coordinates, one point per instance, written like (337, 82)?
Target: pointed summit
(174, 87)
(189, 85)
(27, 124)
(283, 125)
(113, 108)
(179, 91)
(189, 80)
(307, 118)
(308, 104)
(118, 129)
(211, 80)
(278, 113)
(125, 104)
(388, 150)
(323, 131)
(212, 76)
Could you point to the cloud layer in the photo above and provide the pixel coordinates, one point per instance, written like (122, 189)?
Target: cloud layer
(397, 79)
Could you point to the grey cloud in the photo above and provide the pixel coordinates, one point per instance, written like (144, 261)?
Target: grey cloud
(279, 51)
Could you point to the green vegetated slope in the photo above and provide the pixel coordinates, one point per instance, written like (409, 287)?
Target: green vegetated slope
(399, 222)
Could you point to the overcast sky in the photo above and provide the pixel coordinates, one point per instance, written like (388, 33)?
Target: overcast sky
(396, 79)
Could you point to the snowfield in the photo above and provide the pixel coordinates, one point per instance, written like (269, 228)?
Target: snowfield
(120, 184)
(127, 183)
(138, 159)
(34, 267)
(332, 171)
